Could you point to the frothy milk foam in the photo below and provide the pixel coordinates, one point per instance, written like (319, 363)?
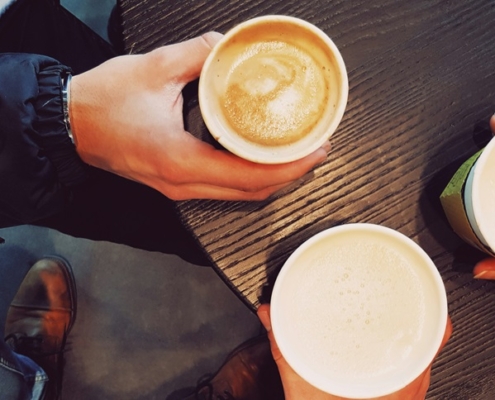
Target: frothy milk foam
(365, 311)
(359, 310)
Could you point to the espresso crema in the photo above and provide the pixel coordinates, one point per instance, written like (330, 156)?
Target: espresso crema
(275, 92)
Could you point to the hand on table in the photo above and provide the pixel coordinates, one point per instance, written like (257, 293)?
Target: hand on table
(296, 388)
(127, 118)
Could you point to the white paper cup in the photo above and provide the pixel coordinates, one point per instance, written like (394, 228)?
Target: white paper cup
(267, 79)
(479, 196)
(359, 311)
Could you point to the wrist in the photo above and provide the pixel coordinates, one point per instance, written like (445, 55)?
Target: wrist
(84, 115)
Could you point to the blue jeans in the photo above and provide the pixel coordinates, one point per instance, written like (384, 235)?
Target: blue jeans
(20, 377)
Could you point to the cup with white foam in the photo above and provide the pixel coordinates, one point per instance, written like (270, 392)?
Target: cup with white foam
(479, 197)
(359, 311)
(273, 89)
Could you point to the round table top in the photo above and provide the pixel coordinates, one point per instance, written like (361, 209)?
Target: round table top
(422, 89)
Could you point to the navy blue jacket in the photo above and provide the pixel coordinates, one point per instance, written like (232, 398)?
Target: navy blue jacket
(38, 162)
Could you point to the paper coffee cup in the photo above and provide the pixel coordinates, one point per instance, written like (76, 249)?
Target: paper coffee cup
(468, 200)
(359, 311)
(273, 90)
(479, 197)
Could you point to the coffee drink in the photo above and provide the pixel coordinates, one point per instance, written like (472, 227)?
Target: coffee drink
(359, 311)
(368, 305)
(273, 89)
(276, 91)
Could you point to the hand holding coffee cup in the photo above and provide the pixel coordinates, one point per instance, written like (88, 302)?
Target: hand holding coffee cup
(296, 388)
(273, 90)
(359, 311)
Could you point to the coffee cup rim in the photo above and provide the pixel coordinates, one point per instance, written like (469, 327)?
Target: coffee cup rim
(478, 185)
(275, 154)
(357, 391)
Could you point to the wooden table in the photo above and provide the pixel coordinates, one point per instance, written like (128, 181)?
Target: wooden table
(422, 88)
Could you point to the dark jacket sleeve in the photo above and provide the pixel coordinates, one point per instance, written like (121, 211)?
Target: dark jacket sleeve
(38, 162)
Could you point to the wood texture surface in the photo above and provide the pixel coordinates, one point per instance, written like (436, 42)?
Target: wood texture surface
(422, 89)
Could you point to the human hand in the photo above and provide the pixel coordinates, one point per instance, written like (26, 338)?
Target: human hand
(485, 269)
(296, 388)
(127, 118)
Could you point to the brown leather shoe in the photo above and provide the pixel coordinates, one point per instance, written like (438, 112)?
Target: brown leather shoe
(40, 317)
(249, 373)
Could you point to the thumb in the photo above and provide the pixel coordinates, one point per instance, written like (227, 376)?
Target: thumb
(485, 269)
(264, 316)
(186, 59)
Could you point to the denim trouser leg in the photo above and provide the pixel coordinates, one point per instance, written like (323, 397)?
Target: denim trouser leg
(20, 377)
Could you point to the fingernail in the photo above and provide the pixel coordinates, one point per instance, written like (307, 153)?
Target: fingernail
(327, 146)
(485, 275)
(303, 179)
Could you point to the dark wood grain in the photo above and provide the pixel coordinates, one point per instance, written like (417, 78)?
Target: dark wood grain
(422, 89)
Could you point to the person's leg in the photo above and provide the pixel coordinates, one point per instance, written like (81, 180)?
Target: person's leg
(38, 321)
(20, 377)
(13, 369)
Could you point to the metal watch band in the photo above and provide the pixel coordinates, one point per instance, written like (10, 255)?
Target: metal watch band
(65, 103)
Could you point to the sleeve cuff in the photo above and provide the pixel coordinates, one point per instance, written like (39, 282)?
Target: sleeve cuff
(51, 126)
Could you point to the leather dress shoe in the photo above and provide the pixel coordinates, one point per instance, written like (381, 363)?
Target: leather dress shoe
(249, 373)
(40, 317)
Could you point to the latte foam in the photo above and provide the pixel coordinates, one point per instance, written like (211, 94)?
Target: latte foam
(276, 93)
(359, 311)
(273, 89)
(365, 313)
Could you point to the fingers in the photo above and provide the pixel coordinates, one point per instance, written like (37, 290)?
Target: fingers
(421, 383)
(264, 316)
(184, 61)
(205, 191)
(447, 334)
(224, 169)
(485, 269)
(194, 162)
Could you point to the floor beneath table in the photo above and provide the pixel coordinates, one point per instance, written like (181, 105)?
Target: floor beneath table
(148, 323)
